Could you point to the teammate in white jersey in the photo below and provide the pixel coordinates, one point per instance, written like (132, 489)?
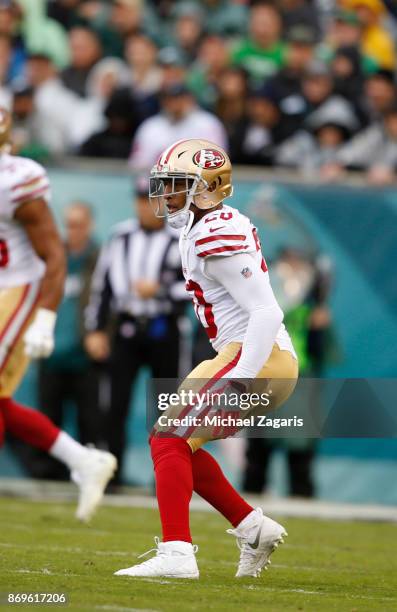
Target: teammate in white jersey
(227, 277)
(32, 271)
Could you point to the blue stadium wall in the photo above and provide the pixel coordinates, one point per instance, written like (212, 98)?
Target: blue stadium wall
(357, 227)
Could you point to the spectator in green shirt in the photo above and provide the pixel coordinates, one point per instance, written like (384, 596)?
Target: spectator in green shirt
(263, 52)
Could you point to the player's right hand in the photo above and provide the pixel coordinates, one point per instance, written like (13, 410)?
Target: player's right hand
(39, 337)
(97, 345)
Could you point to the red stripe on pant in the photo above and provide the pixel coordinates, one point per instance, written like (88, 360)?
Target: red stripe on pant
(229, 366)
(219, 375)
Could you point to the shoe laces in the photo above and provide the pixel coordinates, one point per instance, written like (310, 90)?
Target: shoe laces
(156, 550)
(247, 554)
(160, 553)
(242, 542)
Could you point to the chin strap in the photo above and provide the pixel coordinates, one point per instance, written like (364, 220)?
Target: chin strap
(190, 221)
(180, 219)
(184, 216)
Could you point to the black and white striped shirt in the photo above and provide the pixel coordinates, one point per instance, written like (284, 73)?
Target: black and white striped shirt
(133, 254)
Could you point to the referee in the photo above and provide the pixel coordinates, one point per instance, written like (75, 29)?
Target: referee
(138, 284)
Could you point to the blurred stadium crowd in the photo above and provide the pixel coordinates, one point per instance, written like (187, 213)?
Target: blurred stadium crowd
(304, 84)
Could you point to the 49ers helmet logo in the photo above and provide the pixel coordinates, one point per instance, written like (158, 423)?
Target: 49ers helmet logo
(210, 159)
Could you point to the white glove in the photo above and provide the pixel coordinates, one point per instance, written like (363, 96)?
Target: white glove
(39, 337)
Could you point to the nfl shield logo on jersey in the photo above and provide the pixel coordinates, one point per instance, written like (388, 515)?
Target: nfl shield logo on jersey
(246, 272)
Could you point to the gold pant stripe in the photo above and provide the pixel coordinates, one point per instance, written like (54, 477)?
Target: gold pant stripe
(17, 308)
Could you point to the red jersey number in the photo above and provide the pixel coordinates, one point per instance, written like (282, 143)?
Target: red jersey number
(4, 255)
(225, 216)
(200, 301)
(259, 248)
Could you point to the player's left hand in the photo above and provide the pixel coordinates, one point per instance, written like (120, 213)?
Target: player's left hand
(39, 337)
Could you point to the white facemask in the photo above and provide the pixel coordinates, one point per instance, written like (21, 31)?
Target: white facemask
(181, 219)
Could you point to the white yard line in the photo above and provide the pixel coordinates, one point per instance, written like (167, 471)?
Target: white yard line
(68, 549)
(295, 568)
(43, 572)
(61, 492)
(253, 587)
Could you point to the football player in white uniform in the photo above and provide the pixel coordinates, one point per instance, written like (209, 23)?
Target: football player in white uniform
(227, 277)
(32, 271)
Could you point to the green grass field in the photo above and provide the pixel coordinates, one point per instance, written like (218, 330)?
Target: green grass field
(324, 565)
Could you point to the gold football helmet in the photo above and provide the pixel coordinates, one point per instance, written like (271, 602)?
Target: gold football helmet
(206, 169)
(5, 130)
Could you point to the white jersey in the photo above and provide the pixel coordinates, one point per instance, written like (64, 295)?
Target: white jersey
(21, 180)
(222, 233)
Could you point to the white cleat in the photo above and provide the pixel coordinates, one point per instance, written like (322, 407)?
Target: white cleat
(256, 542)
(172, 560)
(92, 476)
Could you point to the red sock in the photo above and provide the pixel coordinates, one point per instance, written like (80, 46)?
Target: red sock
(28, 425)
(172, 460)
(210, 482)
